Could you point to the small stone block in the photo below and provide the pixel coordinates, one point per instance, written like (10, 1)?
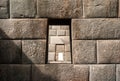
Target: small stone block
(64, 27)
(51, 56)
(67, 48)
(67, 33)
(60, 48)
(52, 32)
(51, 48)
(59, 40)
(67, 56)
(61, 32)
(55, 27)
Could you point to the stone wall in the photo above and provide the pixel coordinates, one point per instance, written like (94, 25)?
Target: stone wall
(95, 44)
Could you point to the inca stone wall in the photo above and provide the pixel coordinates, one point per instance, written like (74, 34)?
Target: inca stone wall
(94, 40)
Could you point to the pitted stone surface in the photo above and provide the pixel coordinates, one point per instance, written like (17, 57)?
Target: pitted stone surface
(10, 51)
(96, 28)
(59, 8)
(4, 9)
(22, 8)
(100, 8)
(83, 51)
(60, 72)
(102, 72)
(108, 51)
(34, 51)
(23, 28)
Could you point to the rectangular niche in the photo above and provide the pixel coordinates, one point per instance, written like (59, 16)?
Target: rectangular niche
(59, 43)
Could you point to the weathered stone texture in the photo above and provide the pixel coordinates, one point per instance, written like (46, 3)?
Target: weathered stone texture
(102, 73)
(14, 72)
(83, 51)
(108, 51)
(22, 8)
(34, 51)
(118, 72)
(96, 28)
(60, 72)
(81, 73)
(23, 28)
(59, 8)
(10, 51)
(4, 9)
(100, 8)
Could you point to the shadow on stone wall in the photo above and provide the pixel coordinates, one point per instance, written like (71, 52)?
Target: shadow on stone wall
(11, 66)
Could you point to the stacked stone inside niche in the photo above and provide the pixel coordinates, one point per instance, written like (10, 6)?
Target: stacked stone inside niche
(59, 44)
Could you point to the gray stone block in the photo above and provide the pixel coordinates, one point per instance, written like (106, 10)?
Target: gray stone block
(83, 51)
(96, 28)
(118, 72)
(108, 51)
(34, 51)
(4, 9)
(100, 8)
(10, 51)
(52, 72)
(81, 73)
(22, 8)
(102, 73)
(59, 8)
(19, 28)
(15, 72)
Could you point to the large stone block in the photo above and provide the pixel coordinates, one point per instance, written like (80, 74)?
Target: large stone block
(34, 51)
(108, 51)
(96, 28)
(22, 8)
(4, 9)
(19, 28)
(15, 72)
(59, 8)
(118, 72)
(10, 51)
(83, 51)
(81, 73)
(100, 8)
(52, 72)
(102, 73)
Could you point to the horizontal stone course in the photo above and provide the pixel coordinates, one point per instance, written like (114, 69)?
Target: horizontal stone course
(23, 28)
(59, 8)
(108, 51)
(96, 28)
(60, 72)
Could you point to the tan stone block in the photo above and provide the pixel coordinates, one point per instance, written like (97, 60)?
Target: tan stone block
(61, 32)
(60, 48)
(64, 27)
(59, 40)
(100, 8)
(96, 28)
(67, 32)
(52, 32)
(67, 48)
(51, 48)
(51, 56)
(67, 56)
(55, 27)
(59, 8)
